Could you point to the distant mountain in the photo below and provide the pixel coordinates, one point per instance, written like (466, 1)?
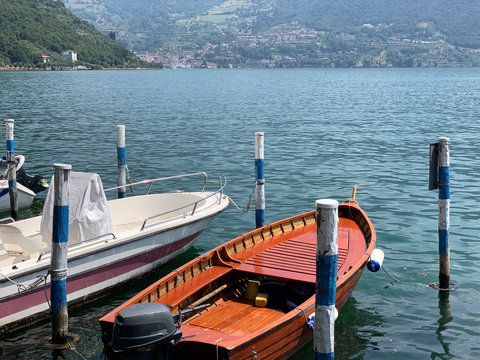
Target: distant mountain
(35, 33)
(293, 32)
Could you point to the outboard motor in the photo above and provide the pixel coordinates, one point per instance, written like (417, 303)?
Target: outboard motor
(36, 183)
(144, 331)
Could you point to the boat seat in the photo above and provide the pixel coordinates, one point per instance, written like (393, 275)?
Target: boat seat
(16, 243)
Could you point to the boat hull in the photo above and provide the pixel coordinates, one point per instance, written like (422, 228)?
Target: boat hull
(285, 339)
(277, 342)
(112, 267)
(282, 258)
(24, 196)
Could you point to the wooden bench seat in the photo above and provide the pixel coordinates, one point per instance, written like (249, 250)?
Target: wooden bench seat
(236, 317)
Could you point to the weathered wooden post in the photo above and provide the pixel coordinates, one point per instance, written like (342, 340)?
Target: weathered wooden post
(326, 281)
(444, 211)
(122, 162)
(440, 178)
(12, 169)
(58, 264)
(259, 180)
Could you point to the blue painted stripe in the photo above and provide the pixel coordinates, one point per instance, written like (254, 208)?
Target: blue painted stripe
(121, 156)
(59, 295)
(259, 217)
(3, 192)
(326, 279)
(321, 356)
(259, 169)
(444, 182)
(60, 224)
(10, 145)
(443, 241)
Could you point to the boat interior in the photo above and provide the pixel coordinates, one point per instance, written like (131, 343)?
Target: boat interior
(22, 240)
(216, 291)
(94, 220)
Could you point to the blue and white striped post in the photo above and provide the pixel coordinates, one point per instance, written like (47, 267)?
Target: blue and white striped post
(122, 162)
(326, 282)
(259, 181)
(444, 212)
(58, 264)
(12, 169)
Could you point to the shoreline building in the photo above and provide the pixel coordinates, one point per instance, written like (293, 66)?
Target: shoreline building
(70, 55)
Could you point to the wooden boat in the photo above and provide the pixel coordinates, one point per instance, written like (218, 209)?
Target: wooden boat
(110, 242)
(209, 295)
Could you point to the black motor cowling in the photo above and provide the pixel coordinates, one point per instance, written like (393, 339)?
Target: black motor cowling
(36, 183)
(144, 331)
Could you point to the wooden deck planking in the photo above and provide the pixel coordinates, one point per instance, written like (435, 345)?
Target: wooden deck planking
(235, 318)
(295, 258)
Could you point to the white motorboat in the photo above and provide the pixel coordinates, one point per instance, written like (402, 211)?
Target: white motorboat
(25, 196)
(109, 242)
(27, 185)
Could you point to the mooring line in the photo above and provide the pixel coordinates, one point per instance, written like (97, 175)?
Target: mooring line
(72, 347)
(393, 277)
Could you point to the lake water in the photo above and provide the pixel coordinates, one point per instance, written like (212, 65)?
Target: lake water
(325, 131)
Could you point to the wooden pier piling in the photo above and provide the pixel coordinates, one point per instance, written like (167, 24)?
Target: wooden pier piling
(444, 212)
(122, 162)
(259, 180)
(326, 281)
(440, 179)
(58, 264)
(12, 168)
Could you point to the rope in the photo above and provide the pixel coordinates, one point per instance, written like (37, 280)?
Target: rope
(386, 272)
(250, 199)
(45, 290)
(216, 347)
(304, 313)
(72, 347)
(129, 179)
(20, 287)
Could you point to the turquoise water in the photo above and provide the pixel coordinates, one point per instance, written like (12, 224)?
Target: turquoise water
(325, 131)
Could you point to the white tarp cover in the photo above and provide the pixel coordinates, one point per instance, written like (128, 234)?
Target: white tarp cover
(89, 215)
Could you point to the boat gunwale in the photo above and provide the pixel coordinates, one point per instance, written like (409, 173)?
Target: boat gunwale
(370, 238)
(35, 265)
(306, 308)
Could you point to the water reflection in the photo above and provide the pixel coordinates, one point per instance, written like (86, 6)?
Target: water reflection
(356, 330)
(445, 318)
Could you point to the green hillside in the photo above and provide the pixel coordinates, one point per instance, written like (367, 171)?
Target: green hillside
(32, 28)
(275, 33)
(458, 20)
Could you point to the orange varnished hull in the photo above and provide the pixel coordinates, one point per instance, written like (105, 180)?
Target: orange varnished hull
(284, 253)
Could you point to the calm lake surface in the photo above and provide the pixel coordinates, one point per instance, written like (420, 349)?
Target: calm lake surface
(325, 131)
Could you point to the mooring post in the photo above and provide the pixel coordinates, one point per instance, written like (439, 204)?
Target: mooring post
(122, 162)
(259, 180)
(12, 169)
(444, 211)
(58, 264)
(326, 280)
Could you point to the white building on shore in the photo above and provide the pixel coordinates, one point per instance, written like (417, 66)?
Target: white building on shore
(70, 55)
